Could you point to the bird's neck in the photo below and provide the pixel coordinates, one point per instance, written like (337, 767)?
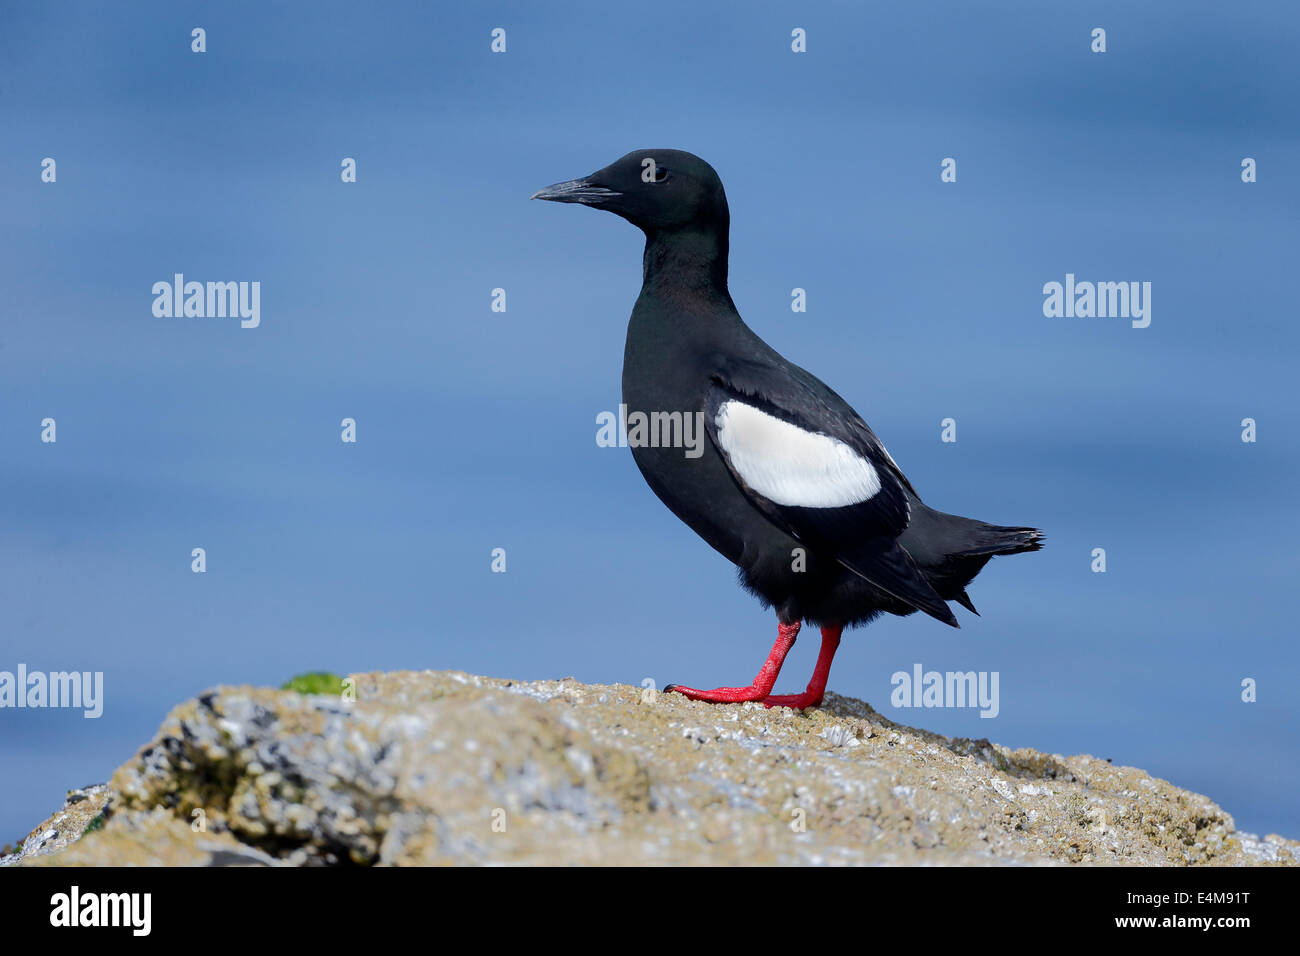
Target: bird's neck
(690, 260)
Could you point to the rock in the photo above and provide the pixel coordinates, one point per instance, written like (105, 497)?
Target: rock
(81, 811)
(443, 767)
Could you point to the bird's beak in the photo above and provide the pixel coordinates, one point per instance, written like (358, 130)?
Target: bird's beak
(577, 190)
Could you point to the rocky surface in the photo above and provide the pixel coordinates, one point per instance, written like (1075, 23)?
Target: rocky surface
(438, 767)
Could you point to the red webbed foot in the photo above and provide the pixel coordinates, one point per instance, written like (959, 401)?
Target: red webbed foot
(797, 701)
(821, 674)
(762, 686)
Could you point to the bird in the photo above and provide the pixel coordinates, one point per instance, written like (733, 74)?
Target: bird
(792, 486)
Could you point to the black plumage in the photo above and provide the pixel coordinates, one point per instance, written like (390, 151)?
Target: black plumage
(792, 486)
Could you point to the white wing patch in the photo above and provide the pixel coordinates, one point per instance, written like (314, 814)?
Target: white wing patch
(790, 466)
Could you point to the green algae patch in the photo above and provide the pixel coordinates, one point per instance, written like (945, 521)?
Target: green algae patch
(316, 682)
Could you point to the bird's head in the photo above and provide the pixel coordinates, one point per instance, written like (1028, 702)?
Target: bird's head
(657, 190)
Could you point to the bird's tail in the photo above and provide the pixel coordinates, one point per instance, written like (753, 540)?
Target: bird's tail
(991, 539)
(951, 549)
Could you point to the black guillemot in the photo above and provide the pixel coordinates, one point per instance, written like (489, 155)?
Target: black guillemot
(791, 486)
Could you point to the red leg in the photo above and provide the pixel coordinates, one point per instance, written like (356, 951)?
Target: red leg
(821, 673)
(762, 686)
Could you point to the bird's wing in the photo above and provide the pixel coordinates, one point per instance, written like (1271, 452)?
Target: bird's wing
(808, 461)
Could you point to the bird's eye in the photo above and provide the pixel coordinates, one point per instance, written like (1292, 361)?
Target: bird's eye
(661, 173)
